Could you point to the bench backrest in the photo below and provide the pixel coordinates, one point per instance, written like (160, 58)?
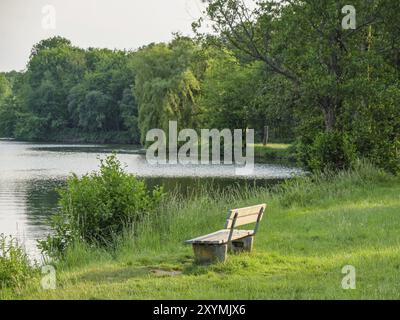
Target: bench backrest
(242, 216)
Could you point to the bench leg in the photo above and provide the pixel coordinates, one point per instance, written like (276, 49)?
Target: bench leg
(243, 245)
(206, 253)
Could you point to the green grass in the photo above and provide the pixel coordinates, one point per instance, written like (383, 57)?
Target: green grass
(274, 151)
(313, 227)
(273, 145)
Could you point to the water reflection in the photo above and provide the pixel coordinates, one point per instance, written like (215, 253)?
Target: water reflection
(41, 200)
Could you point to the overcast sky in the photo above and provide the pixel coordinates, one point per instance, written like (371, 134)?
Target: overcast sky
(121, 24)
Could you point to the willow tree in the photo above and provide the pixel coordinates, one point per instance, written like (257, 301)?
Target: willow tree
(166, 85)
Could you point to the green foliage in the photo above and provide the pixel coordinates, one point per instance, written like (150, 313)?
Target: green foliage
(65, 88)
(93, 113)
(54, 42)
(167, 85)
(228, 94)
(376, 128)
(30, 127)
(51, 74)
(98, 206)
(330, 151)
(15, 268)
(8, 117)
(333, 78)
(129, 113)
(5, 88)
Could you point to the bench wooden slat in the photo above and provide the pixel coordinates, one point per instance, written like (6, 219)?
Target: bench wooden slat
(211, 237)
(221, 237)
(246, 211)
(244, 215)
(242, 221)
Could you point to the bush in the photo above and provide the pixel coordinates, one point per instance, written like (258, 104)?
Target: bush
(329, 151)
(376, 129)
(98, 206)
(15, 268)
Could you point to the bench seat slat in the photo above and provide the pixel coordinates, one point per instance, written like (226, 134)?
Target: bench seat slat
(221, 237)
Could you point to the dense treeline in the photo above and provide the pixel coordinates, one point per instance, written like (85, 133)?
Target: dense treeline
(99, 95)
(289, 65)
(69, 92)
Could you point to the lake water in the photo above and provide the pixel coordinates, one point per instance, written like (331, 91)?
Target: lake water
(30, 173)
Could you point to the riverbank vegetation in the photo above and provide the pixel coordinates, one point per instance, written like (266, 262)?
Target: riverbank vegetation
(279, 152)
(97, 207)
(288, 65)
(314, 226)
(15, 268)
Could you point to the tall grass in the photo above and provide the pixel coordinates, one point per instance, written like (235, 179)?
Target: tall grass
(325, 187)
(15, 267)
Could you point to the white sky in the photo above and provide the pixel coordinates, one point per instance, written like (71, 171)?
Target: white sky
(121, 24)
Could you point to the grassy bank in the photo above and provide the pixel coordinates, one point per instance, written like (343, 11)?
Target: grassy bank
(314, 226)
(282, 152)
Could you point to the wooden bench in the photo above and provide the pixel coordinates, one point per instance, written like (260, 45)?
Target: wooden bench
(214, 246)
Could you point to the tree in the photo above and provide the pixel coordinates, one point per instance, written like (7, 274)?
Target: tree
(129, 114)
(93, 113)
(8, 117)
(324, 65)
(5, 87)
(53, 70)
(8, 107)
(111, 73)
(50, 43)
(227, 98)
(166, 85)
(318, 46)
(62, 82)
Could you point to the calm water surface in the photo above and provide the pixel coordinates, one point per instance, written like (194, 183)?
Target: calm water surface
(30, 173)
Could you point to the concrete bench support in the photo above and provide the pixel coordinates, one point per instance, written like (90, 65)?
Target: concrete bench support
(209, 253)
(243, 245)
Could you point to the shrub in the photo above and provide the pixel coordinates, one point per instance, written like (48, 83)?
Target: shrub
(98, 206)
(15, 268)
(376, 129)
(329, 151)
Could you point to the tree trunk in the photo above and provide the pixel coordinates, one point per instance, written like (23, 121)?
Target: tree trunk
(266, 135)
(329, 109)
